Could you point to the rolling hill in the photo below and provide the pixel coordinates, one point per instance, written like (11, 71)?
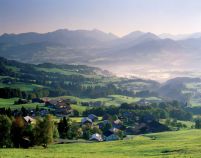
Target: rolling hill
(184, 143)
(74, 80)
(91, 82)
(139, 54)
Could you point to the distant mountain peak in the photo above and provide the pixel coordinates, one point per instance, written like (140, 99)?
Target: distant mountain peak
(133, 35)
(139, 34)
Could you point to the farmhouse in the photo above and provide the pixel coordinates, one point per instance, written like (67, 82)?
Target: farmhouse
(51, 103)
(118, 124)
(62, 106)
(28, 120)
(86, 120)
(93, 117)
(103, 123)
(110, 136)
(96, 137)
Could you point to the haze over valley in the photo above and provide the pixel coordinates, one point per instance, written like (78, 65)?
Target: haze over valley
(137, 54)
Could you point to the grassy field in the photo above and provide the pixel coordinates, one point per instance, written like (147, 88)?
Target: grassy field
(21, 86)
(179, 144)
(67, 72)
(188, 124)
(79, 108)
(9, 103)
(110, 100)
(116, 100)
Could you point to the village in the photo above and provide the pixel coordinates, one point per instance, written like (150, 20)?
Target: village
(105, 127)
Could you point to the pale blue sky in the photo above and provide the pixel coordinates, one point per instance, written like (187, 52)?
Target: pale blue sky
(117, 16)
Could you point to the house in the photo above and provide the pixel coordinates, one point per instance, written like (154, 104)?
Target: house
(51, 103)
(62, 112)
(149, 127)
(93, 117)
(96, 137)
(117, 121)
(58, 103)
(28, 120)
(63, 108)
(108, 133)
(63, 104)
(112, 137)
(103, 123)
(118, 124)
(86, 120)
(114, 130)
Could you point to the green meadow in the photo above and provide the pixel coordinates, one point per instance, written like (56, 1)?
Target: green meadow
(178, 144)
(116, 100)
(10, 103)
(22, 86)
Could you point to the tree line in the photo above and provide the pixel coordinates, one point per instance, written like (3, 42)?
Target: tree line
(16, 132)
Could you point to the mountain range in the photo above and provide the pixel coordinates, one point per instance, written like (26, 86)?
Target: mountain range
(138, 54)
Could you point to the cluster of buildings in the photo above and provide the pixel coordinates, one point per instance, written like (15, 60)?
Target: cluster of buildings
(111, 130)
(61, 106)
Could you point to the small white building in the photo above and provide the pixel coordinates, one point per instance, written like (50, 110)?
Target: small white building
(28, 119)
(96, 137)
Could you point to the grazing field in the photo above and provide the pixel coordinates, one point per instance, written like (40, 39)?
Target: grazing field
(116, 100)
(79, 108)
(22, 86)
(177, 144)
(7, 102)
(10, 103)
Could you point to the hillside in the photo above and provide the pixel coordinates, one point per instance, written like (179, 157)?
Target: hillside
(167, 144)
(138, 53)
(90, 82)
(75, 80)
(183, 88)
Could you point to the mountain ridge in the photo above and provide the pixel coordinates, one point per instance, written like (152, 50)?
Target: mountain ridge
(137, 52)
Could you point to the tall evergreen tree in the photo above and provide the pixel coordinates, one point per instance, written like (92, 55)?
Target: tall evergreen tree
(5, 131)
(44, 131)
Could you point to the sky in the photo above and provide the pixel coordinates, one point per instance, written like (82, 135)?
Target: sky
(117, 16)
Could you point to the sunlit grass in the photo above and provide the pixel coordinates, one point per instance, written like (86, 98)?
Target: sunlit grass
(180, 144)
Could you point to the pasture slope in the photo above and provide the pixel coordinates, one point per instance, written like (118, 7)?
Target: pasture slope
(179, 144)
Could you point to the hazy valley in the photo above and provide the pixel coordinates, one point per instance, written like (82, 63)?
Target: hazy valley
(139, 54)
